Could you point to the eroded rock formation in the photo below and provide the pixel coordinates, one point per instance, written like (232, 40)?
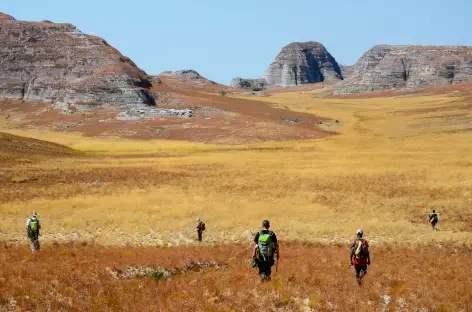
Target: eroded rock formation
(301, 63)
(258, 84)
(57, 62)
(386, 67)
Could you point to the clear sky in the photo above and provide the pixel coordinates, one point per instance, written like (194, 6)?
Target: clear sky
(223, 39)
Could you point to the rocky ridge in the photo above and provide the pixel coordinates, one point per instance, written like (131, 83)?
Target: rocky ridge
(257, 84)
(45, 61)
(388, 67)
(302, 63)
(187, 75)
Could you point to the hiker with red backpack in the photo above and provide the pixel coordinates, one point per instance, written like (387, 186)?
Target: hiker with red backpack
(200, 229)
(359, 255)
(32, 230)
(266, 246)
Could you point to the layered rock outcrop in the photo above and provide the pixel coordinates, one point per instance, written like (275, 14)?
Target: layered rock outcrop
(257, 84)
(56, 62)
(387, 67)
(187, 75)
(301, 63)
(346, 70)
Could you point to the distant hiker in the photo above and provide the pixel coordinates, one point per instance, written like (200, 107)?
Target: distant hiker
(32, 229)
(433, 219)
(359, 255)
(266, 245)
(200, 229)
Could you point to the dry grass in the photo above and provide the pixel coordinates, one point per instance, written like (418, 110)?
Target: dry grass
(394, 160)
(73, 277)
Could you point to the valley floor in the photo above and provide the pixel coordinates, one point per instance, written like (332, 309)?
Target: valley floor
(393, 160)
(390, 162)
(76, 277)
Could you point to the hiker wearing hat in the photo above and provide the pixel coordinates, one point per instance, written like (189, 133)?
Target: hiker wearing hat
(200, 229)
(266, 246)
(32, 229)
(359, 255)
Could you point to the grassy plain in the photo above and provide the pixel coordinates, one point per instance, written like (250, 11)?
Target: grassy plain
(393, 161)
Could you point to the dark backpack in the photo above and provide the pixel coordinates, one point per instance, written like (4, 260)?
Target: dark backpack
(202, 226)
(359, 249)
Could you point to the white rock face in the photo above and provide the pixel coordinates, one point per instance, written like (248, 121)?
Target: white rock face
(302, 63)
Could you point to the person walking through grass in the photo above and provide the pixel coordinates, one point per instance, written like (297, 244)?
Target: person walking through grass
(359, 255)
(200, 229)
(265, 247)
(433, 219)
(32, 229)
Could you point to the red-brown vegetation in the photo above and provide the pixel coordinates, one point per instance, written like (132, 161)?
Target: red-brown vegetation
(74, 277)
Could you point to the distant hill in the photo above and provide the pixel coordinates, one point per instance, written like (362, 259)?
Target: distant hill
(387, 67)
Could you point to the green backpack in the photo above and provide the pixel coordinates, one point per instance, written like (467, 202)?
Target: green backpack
(265, 246)
(34, 225)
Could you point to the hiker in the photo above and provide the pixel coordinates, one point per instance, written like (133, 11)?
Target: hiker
(266, 245)
(359, 255)
(32, 229)
(433, 219)
(200, 229)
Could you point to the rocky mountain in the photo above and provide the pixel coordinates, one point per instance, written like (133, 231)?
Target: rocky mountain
(258, 84)
(301, 63)
(346, 70)
(387, 67)
(58, 63)
(189, 75)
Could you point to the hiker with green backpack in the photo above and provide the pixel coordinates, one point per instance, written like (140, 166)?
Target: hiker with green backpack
(32, 229)
(359, 255)
(266, 246)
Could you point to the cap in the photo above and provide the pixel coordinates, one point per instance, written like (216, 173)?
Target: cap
(360, 232)
(35, 214)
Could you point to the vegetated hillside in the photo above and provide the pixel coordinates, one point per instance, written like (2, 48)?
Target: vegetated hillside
(53, 62)
(386, 67)
(80, 277)
(15, 149)
(188, 80)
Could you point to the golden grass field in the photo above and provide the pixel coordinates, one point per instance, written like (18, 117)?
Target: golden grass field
(393, 161)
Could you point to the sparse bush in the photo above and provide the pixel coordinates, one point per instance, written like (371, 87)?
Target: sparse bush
(222, 92)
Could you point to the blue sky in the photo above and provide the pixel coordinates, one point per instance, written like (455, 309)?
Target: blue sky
(225, 38)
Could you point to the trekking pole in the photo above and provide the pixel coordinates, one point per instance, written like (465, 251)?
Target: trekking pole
(277, 266)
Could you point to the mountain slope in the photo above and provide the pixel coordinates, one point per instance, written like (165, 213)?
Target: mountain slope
(57, 62)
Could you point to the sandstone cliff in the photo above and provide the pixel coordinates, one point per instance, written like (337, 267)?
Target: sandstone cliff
(258, 84)
(301, 63)
(387, 67)
(56, 62)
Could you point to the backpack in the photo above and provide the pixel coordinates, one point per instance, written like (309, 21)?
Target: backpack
(361, 251)
(34, 225)
(202, 226)
(265, 246)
